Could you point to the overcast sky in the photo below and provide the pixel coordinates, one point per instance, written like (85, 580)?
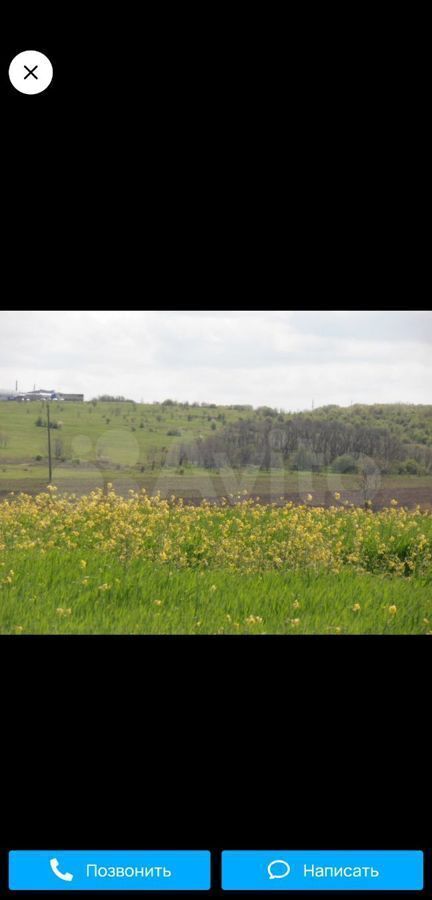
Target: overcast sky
(282, 359)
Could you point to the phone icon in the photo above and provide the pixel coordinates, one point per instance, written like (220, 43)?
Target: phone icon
(65, 876)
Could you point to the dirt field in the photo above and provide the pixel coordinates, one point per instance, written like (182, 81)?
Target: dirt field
(409, 497)
(263, 490)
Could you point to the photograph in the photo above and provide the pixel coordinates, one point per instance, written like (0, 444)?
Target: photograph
(216, 472)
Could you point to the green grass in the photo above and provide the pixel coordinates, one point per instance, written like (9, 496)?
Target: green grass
(108, 429)
(143, 598)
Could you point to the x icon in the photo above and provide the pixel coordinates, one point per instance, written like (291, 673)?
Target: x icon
(31, 72)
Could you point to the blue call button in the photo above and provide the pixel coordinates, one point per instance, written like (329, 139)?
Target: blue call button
(112, 870)
(321, 870)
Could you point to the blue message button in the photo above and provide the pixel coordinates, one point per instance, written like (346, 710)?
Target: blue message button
(320, 870)
(112, 870)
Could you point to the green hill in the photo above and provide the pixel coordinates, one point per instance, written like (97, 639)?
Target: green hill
(123, 433)
(98, 441)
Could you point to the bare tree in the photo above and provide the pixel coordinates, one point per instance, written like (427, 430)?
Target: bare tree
(58, 448)
(368, 480)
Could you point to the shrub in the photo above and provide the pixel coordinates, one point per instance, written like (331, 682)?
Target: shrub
(412, 467)
(304, 460)
(345, 464)
(58, 448)
(266, 411)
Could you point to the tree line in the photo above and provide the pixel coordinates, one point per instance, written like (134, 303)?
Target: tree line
(305, 442)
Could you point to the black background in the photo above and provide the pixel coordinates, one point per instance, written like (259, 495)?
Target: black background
(217, 742)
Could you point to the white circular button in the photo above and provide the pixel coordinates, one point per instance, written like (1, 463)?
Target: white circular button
(31, 72)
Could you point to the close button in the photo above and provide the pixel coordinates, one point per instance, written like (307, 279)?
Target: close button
(31, 72)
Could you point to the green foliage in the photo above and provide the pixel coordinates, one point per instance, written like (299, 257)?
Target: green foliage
(43, 423)
(320, 438)
(411, 467)
(409, 422)
(345, 463)
(303, 460)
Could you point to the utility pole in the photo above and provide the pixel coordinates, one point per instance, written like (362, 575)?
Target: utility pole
(49, 444)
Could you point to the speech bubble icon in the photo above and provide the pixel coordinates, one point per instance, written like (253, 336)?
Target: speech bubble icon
(276, 863)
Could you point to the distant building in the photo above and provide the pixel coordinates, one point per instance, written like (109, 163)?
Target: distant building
(41, 394)
(37, 395)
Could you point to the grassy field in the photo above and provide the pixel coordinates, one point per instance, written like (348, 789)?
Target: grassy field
(241, 551)
(132, 446)
(47, 596)
(125, 433)
(109, 565)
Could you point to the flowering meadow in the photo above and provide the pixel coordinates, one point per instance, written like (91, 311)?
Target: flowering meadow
(102, 563)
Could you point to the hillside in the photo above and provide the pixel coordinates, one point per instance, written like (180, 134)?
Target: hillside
(398, 438)
(146, 434)
(412, 423)
(123, 433)
(194, 450)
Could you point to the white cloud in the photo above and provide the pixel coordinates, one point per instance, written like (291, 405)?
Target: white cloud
(283, 359)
